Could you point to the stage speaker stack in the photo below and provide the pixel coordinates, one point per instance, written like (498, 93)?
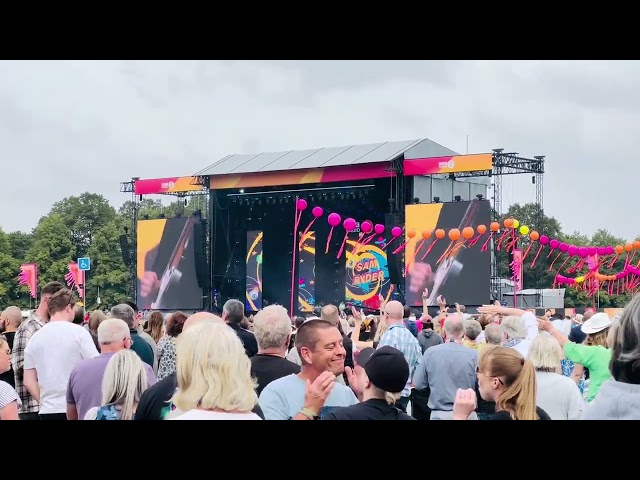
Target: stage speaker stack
(124, 249)
(200, 255)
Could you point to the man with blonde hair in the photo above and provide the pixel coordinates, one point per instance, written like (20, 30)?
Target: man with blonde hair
(84, 390)
(272, 328)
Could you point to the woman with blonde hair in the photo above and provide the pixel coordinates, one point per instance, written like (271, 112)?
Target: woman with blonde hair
(506, 378)
(557, 394)
(124, 382)
(155, 326)
(214, 375)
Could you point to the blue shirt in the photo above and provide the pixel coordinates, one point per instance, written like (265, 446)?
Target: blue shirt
(282, 399)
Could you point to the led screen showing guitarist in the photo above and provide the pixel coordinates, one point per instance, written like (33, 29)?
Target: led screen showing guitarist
(465, 276)
(167, 277)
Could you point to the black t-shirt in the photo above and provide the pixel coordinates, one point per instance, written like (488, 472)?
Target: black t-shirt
(502, 415)
(248, 339)
(155, 405)
(373, 409)
(154, 402)
(267, 368)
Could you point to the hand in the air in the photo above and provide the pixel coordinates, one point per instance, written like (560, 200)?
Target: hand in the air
(464, 404)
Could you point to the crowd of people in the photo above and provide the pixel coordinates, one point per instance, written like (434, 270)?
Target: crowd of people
(339, 364)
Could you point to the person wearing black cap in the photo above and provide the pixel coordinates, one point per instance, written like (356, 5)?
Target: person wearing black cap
(380, 375)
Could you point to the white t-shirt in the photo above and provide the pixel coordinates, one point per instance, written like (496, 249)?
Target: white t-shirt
(210, 415)
(53, 352)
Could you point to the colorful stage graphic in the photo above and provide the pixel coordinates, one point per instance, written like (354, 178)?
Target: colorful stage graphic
(307, 272)
(254, 270)
(367, 274)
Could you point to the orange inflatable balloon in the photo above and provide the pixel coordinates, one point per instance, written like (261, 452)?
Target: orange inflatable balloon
(636, 245)
(619, 249)
(482, 229)
(508, 223)
(454, 234)
(440, 233)
(495, 226)
(534, 236)
(426, 234)
(628, 247)
(411, 232)
(468, 232)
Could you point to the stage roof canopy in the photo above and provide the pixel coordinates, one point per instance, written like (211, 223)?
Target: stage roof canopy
(325, 157)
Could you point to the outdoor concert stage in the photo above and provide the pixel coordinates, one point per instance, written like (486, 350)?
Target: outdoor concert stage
(244, 243)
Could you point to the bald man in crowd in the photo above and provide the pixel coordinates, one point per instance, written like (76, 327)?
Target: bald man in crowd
(445, 368)
(398, 336)
(155, 401)
(10, 320)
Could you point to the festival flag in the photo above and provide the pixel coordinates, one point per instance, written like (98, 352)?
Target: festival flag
(75, 278)
(28, 276)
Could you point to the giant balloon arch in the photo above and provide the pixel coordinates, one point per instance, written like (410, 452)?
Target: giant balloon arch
(506, 237)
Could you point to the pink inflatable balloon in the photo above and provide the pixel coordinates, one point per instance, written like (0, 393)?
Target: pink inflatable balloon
(610, 250)
(366, 226)
(302, 204)
(334, 219)
(544, 240)
(602, 250)
(592, 251)
(317, 211)
(396, 231)
(563, 247)
(379, 229)
(349, 224)
(573, 250)
(554, 244)
(583, 252)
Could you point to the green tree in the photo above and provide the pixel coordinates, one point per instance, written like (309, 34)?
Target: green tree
(108, 272)
(84, 215)
(52, 249)
(147, 206)
(9, 269)
(19, 244)
(529, 214)
(154, 208)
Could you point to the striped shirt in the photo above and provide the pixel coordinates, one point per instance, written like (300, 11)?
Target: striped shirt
(24, 333)
(7, 395)
(399, 337)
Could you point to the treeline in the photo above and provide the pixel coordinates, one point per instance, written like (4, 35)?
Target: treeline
(87, 225)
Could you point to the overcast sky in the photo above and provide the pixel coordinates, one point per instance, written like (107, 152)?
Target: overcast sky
(72, 126)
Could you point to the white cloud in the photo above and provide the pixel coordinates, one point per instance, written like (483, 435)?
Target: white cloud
(68, 127)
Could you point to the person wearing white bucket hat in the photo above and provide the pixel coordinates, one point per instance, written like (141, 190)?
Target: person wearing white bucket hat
(596, 324)
(594, 353)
